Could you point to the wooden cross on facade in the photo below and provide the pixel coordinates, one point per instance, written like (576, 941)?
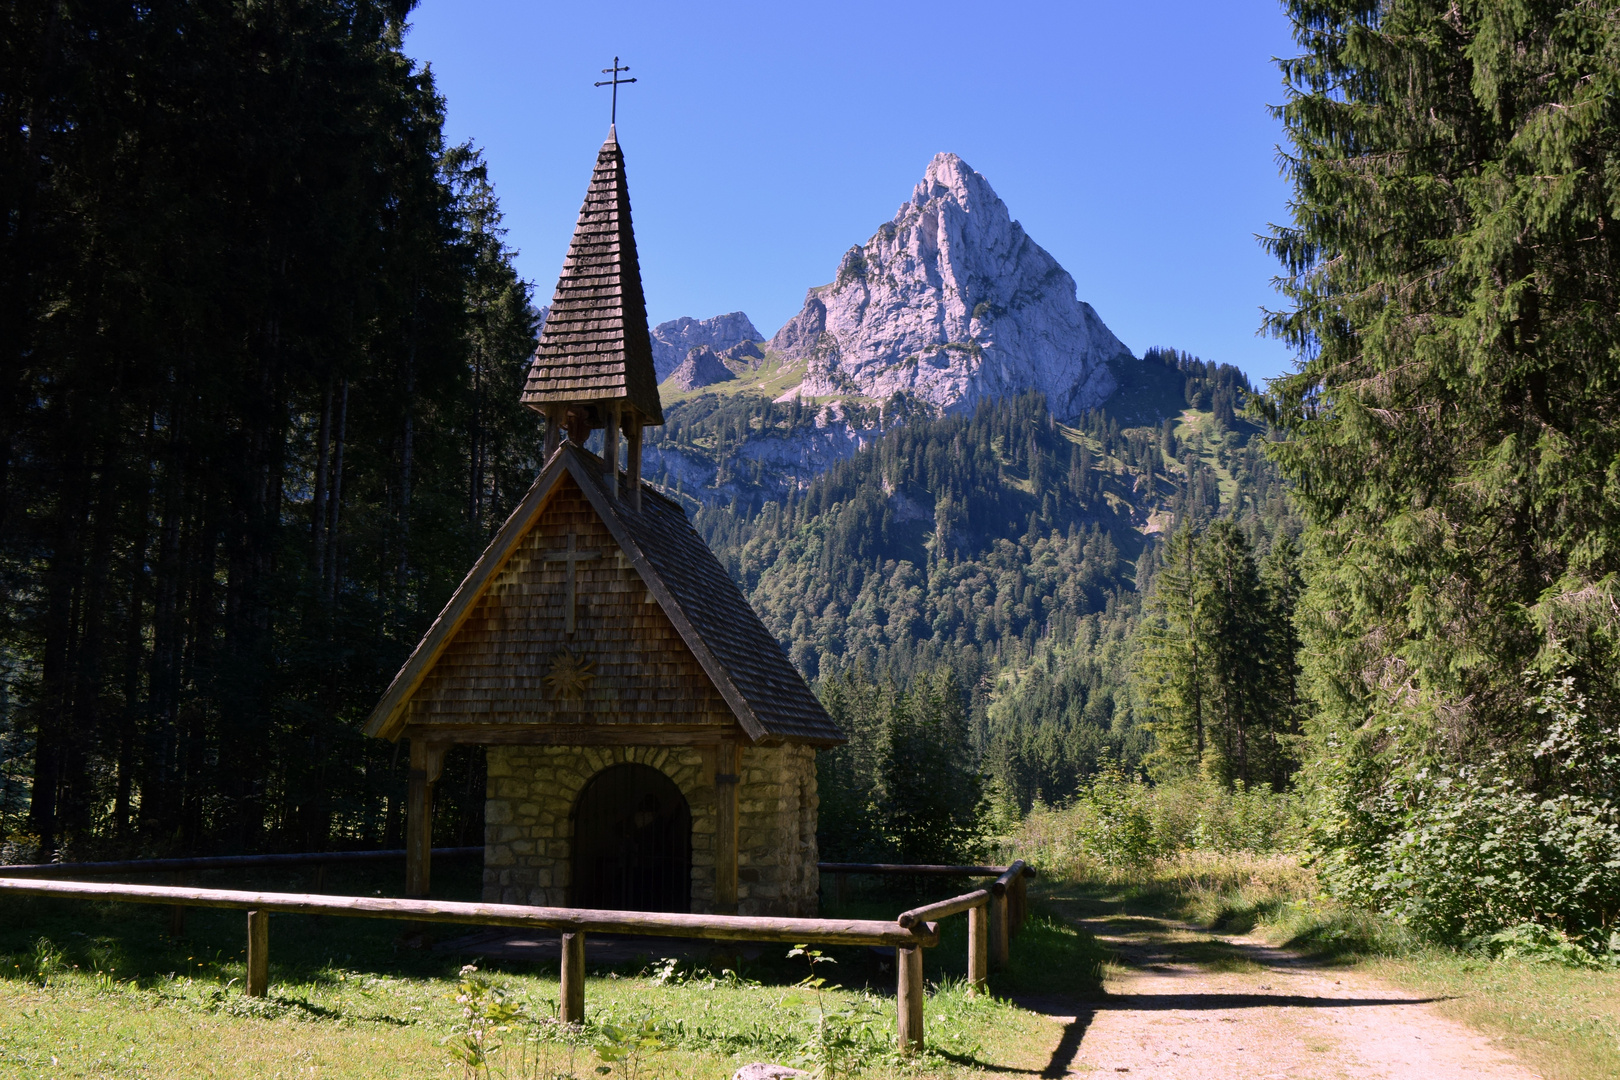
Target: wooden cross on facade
(573, 557)
(615, 82)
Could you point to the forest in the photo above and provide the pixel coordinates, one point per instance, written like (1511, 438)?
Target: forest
(263, 343)
(263, 339)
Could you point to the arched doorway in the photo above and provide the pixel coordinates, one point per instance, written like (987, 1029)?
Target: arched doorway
(632, 842)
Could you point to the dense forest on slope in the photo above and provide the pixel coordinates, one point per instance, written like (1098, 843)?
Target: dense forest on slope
(1000, 547)
(262, 346)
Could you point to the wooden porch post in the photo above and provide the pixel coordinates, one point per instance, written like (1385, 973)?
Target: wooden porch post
(727, 760)
(427, 762)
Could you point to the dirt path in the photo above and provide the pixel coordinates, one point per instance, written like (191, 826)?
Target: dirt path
(1190, 1005)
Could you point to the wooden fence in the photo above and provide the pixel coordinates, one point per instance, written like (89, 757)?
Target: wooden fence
(994, 913)
(183, 868)
(1003, 911)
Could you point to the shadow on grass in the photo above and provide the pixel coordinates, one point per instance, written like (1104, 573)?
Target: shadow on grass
(131, 942)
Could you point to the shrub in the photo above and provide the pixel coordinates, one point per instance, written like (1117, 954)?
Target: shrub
(1461, 852)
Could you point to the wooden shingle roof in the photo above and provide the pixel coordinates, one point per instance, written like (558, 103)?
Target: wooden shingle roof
(764, 692)
(595, 346)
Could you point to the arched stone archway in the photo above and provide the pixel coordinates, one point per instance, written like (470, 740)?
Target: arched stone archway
(632, 842)
(529, 817)
(529, 822)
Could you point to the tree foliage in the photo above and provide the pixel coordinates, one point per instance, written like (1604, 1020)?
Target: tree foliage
(1454, 426)
(905, 788)
(1215, 659)
(261, 347)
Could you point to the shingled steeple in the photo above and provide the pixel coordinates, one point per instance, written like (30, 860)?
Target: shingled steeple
(594, 366)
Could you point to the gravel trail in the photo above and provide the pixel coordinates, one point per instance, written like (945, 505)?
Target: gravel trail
(1184, 1004)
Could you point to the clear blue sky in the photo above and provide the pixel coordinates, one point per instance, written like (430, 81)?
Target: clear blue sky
(763, 139)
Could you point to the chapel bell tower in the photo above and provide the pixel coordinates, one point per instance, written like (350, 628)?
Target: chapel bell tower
(594, 365)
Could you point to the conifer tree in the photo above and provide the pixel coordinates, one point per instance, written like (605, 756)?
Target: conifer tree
(1453, 267)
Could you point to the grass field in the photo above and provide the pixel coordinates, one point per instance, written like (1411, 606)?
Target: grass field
(98, 990)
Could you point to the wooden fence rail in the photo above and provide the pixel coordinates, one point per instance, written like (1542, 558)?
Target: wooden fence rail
(222, 862)
(841, 872)
(976, 904)
(574, 923)
(913, 869)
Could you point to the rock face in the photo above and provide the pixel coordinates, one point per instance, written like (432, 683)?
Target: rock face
(700, 368)
(952, 302)
(672, 340)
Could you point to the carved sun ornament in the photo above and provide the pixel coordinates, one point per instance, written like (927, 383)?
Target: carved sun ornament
(570, 676)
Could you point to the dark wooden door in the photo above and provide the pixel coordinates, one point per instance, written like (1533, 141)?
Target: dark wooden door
(632, 842)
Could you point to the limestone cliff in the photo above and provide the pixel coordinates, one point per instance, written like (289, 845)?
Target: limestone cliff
(673, 340)
(952, 303)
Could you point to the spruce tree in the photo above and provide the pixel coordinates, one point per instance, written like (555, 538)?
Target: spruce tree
(1454, 425)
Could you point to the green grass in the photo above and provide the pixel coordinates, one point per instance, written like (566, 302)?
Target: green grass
(97, 989)
(1562, 1022)
(770, 377)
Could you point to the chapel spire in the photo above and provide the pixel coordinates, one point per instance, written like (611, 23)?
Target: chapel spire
(594, 366)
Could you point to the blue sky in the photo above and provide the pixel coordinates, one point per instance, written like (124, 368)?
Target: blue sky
(763, 139)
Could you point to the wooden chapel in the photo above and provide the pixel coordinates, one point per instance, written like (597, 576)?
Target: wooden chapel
(649, 746)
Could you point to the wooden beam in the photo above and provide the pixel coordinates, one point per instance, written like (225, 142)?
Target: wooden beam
(610, 450)
(920, 869)
(427, 762)
(547, 734)
(220, 862)
(909, 1003)
(571, 999)
(942, 909)
(635, 463)
(727, 763)
(555, 415)
(258, 953)
(1018, 894)
(569, 920)
(999, 951)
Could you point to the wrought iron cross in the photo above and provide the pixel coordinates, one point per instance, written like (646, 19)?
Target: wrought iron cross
(573, 557)
(615, 82)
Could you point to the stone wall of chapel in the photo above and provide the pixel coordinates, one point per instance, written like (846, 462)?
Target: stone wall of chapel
(528, 822)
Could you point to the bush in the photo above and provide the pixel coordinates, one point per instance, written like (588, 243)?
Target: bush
(1117, 824)
(1462, 852)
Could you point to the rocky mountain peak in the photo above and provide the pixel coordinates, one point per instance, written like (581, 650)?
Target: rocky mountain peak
(673, 340)
(702, 367)
(951, 302)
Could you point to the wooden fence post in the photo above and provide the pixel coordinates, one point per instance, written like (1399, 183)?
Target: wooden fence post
(258, 953)
(843, 890)
(571, 1006)
(910, 998)
(1017, 893)
(177, 913)
(999, 950)
(978, 948)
